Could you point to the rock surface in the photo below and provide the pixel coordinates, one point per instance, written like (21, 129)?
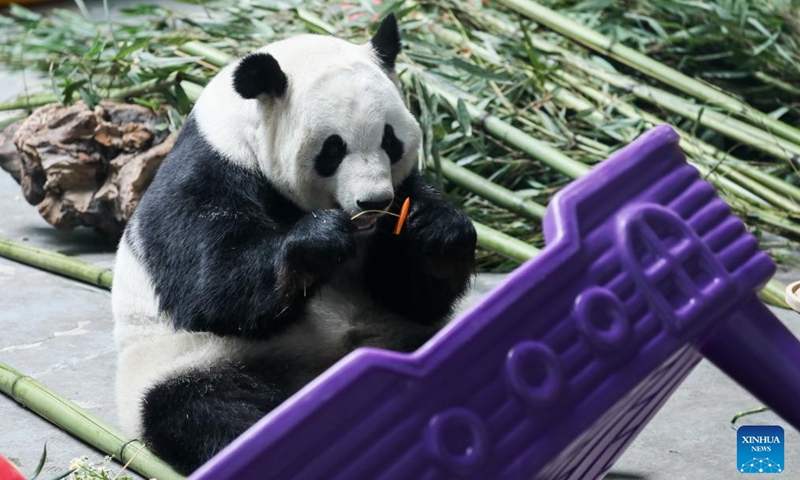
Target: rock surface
(86, 167)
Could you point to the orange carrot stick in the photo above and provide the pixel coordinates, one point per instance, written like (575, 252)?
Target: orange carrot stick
(403, 215)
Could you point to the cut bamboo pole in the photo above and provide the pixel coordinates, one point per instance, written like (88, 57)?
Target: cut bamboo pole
(571, 101)
(491, 191)
(606, 46)
(774, 183)
(503, 244)
(40, 99)
(700, 150)
(512, 135)
(724, 124)
(76, 421)
(57, 263)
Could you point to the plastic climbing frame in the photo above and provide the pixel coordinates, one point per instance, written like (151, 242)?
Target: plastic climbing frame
(553, 374)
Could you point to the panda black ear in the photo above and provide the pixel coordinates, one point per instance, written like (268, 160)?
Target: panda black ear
(386, 42)
(259, 73)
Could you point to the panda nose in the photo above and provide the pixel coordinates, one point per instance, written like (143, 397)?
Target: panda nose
(375, 204)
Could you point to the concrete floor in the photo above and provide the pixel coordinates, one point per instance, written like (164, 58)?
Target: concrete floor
(60, 332)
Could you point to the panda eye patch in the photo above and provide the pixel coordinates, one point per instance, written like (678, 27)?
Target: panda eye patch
(330, 156)
(391, 145)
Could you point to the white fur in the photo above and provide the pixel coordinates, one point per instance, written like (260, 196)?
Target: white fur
(150, 350)
(334, 88)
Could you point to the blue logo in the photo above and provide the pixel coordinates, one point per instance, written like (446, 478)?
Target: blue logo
(760, 449)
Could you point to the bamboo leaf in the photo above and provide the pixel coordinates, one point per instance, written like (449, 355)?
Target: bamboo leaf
(42, 459)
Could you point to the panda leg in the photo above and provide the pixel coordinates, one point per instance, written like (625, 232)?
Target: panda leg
(192, 416)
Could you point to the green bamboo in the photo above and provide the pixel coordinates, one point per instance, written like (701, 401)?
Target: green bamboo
(761, 190)
(572, 101)
(607, 46)
(76, 421)
(57, 263)
(773, 294)
(491, 191)
(514, 136)
(37, 100)
(210, 54)
(505, 245)
(724, 124)
(762, 177)
(28, 102)
(786, 87)
(731, 127)
(192, 90)
(753, 192)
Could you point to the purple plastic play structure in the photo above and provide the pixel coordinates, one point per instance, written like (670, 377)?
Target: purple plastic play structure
(553, 374)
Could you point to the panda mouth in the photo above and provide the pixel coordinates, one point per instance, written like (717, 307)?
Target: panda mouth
(366, 221)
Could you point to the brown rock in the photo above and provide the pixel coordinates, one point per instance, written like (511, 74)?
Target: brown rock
(83, 167)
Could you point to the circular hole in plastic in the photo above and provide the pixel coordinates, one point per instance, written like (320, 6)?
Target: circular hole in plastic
(457, 439)
(604, 319)
(601, 319)
(534, 373)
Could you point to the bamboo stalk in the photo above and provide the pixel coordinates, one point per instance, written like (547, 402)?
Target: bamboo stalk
(764, 178)
(786, 87)
(731, 127)
(773, 183)
(572, 101)
(210, 54)
(514, 136)
(773, 294)
(726, 125)
(76, 421)
(646, 65)
(698, 149)
(40, 99)
(503, 244)
(57, 263)
(27, 102)
(491, 191)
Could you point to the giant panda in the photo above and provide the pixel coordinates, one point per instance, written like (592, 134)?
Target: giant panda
(242, 276)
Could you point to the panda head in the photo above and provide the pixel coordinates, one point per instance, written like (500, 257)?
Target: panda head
(322, 118)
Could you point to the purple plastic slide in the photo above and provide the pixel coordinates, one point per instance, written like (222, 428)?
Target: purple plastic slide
(553, 374)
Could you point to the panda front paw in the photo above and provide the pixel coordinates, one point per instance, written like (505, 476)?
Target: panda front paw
(446, 237)
(318, 243)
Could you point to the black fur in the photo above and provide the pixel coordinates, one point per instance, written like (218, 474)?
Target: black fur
(330, 155)
(190, 418)
(224, 247)
(422, 272)
(386, 42)
(391, 145)
(257, 74)
(229, 254)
